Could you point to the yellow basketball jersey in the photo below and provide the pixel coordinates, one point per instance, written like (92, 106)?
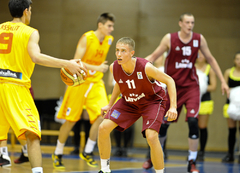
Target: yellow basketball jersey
(96, 54)
(16, 65)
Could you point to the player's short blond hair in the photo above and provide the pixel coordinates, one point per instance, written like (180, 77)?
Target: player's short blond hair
(127, 40)
(185, 14)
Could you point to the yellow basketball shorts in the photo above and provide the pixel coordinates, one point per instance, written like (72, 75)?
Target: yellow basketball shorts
(18, 110)
(225, 108)
(206, 107)
(92, 95)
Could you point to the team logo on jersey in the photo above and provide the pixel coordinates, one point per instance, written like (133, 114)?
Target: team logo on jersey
(195, 43)
(185, 63)
(109, 41)
(9, 73)
(194, 137)
(192, 111)
(115, 114)
(147, 122)
(120, 81)
(139, 75)
(177, 48)
(134, 97)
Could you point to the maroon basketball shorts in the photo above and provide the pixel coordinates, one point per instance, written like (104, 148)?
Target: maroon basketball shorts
(125, 114)
(188, 96)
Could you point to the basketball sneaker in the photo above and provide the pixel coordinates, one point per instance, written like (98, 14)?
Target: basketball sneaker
(88, 157)
(147, 164)
(103, 172)
(57, 161)
(5, 161)
(229, 158)
(192, 167)
(21, 159)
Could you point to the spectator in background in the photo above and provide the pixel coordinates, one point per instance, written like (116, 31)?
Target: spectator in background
(232, 77)
(207, 104)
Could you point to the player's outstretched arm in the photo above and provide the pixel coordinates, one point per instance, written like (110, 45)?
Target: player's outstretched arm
(49, 61)
(163, 47)
(154, 73)
(212, 61)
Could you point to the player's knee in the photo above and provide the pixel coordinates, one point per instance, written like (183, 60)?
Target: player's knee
(152, 138)
(163, 130)
(193, 128)
(31, 136)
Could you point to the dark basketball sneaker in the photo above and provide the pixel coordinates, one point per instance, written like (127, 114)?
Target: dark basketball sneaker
(5, 161)
(192, 167)
(229, 158)
(147, 164)
(21, 159)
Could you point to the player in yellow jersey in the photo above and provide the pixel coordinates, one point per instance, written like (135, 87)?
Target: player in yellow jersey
(92, 49)
(19, 51)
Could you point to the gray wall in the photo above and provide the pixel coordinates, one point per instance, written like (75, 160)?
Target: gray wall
(62, 22)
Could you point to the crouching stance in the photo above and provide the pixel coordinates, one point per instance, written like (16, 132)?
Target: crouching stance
(142, 96)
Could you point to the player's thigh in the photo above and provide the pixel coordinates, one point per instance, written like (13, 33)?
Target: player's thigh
(153, 115)
(73, 101)
(96, 99)
(123, 114)
(22, 114)
(193, 102)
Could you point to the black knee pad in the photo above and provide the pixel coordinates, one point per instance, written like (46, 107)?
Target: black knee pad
(163, 130)
(193, 128)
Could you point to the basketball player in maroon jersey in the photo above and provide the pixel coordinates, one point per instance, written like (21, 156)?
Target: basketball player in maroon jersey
(182, 48)
(142, 96)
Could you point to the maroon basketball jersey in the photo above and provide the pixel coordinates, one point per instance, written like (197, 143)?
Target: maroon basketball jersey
(136, 88)
(181, 58)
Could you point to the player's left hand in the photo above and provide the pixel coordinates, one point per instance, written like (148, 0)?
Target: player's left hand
(104, 110)
(171, 114)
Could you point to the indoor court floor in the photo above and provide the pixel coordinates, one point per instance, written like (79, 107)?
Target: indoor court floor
(176, 163)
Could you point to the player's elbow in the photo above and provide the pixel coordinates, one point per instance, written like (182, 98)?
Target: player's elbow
(36, 58)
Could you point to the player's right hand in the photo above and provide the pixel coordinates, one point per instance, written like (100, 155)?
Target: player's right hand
(105, 110)
(103, 67)
(171, 114)
(75, 68)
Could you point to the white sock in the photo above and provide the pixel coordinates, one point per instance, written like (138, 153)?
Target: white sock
(105, 165)
(37, 170)
(4, 151)
(192, 155)
(89, 146)
(160, 170)
(59, 148)
(24, 150)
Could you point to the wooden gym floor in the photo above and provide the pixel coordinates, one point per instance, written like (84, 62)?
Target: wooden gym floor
(176, 163)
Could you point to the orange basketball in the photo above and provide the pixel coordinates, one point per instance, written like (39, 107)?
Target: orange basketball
(68, 79)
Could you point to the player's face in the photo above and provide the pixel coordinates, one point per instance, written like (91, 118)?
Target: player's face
(107, 28)
(237, 60)
(123, 53)
(187, 24)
